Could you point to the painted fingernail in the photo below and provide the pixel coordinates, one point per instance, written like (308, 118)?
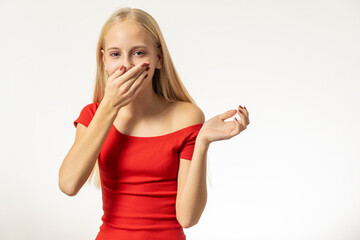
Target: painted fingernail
(245, 107)
(145, 76)
(145, 64)
(147, 69)
(122, 67)
(240, 106)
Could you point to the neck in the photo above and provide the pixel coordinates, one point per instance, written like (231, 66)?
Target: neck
(145, 104)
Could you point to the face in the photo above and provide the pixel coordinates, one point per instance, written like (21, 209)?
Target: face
(127, 43)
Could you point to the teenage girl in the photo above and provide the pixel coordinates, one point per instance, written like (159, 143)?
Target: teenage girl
(143, 138)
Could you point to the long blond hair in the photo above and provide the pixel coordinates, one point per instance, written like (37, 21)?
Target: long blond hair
(166, 81)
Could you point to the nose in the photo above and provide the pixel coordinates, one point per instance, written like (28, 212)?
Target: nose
(127, 62)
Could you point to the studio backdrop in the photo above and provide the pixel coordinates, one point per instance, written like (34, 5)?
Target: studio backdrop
(294, 173)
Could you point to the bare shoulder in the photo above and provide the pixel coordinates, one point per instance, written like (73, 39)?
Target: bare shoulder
(187, 114)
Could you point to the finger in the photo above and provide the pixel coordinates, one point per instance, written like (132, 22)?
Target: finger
(117, 73)
(243, 122)
(133, 73)
(243, 116)
(244, 110)
(136, 86)
(238, 127)
(240, 113)
(227, 114)
(246, 114)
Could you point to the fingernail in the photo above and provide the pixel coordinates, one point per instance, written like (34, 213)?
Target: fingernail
(145, 64)
(122, 67)
(145, 76)
(147, 69)
(245, 107)
(240, 106)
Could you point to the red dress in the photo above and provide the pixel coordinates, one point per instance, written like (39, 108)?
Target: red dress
(139, 181)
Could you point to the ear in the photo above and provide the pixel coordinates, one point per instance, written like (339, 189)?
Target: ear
(158, 63)
(103, 59)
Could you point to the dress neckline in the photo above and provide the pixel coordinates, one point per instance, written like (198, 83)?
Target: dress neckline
(156, 137)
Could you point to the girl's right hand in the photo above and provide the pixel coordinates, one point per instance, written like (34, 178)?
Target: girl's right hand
(122, 87)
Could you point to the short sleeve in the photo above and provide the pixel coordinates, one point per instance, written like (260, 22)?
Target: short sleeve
(188, 145)
(86, 114)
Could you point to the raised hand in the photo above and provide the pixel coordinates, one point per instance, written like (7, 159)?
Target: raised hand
(216, 128)
(123, 86)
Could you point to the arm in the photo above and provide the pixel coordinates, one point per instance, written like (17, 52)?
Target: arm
(80, 160)
(192, 193)
(192, 190)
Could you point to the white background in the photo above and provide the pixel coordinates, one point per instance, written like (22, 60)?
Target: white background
(294, 173)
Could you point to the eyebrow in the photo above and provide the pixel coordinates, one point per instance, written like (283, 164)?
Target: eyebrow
(139, 46)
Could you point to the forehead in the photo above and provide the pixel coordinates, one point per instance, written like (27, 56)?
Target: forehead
(127, 33)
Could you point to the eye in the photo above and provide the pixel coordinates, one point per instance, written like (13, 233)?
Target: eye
(114, 54)
(140, 53)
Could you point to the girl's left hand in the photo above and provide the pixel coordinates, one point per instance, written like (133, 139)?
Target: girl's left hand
(216, 128)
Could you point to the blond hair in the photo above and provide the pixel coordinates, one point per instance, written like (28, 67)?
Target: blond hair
(166, 81)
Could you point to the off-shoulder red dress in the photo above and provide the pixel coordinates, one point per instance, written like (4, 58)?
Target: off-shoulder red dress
(139, 182)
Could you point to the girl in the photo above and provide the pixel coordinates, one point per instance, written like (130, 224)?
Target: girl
(143, 136)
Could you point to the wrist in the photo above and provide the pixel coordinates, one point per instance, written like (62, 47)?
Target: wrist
(202, 141)
(109, 106)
